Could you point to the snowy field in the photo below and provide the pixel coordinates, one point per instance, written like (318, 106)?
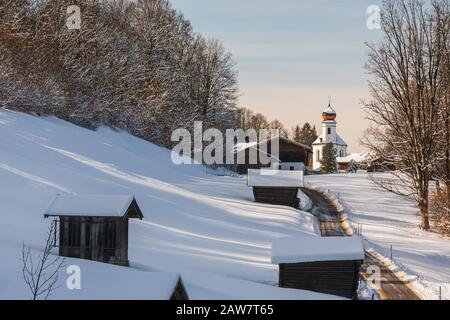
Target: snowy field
(389, 219)
(197, 223)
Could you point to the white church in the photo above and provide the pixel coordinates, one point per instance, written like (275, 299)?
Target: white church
(328, 135)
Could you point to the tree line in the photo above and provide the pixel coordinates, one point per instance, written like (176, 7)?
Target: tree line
(135, 65)
(305, 134)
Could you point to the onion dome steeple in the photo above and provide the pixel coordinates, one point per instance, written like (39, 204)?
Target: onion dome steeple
(329, 114)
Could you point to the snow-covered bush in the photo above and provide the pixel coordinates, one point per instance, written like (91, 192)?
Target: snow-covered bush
(134, 65)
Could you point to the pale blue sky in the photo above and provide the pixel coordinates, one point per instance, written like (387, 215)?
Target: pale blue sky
(292, 54)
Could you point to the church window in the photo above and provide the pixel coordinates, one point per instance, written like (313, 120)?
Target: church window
(329, 130)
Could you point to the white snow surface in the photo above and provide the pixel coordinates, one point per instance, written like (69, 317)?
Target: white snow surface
(205, 227)
(90, 205)
(305, 202)
(387, 219)
(315, 249)
(274, 178)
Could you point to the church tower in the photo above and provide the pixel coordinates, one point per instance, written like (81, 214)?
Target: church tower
(329, 135)
(329, 125)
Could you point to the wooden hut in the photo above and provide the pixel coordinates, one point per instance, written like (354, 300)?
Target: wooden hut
(94, 227)
(327, 265)
(179, 291)
(293, 156)
(126, 284)
(275, 187)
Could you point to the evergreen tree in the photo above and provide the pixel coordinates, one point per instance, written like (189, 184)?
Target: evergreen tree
(297, 134)
(306, 135)
(328, 162)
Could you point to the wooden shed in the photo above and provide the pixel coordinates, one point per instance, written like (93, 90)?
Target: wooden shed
(327, 265)
(293, 156)
(94, 227)
(125, 284)
(179, 291)
(275, 187)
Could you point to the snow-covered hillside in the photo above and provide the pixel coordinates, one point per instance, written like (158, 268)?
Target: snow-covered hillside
(388, 219)
(201, 225)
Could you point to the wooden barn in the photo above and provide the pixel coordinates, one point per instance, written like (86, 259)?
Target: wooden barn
(275, 187)
(292, 156)
(94, 227)
(327, 265)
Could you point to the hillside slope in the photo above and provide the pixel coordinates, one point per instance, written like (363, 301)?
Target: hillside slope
(197, 223)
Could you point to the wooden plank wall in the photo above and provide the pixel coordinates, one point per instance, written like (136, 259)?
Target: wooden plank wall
(93, 232)
(284, 196)
(179, 292)
(332, 277)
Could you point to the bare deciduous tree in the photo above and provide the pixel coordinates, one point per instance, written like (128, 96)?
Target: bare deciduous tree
(135, 65)
(41, 275)
(406, 89)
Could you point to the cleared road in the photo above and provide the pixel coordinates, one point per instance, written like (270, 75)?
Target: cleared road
(331, 225)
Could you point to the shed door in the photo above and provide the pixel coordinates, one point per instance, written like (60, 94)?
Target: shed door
(106, 241)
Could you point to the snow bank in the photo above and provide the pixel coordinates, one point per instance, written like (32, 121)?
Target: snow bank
(194, 222)
(315, 249)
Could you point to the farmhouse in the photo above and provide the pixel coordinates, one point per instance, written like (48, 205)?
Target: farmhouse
(94, 227)
(275, 187)
(327, 265)
(293, 156)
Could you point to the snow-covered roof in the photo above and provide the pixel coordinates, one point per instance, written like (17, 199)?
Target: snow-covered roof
(246, 145)
(329, 110)
(339, 140)
(109, 284)
(274, 178)
(124, 286)
(90, 205)
(356, 157)
(314, 249)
